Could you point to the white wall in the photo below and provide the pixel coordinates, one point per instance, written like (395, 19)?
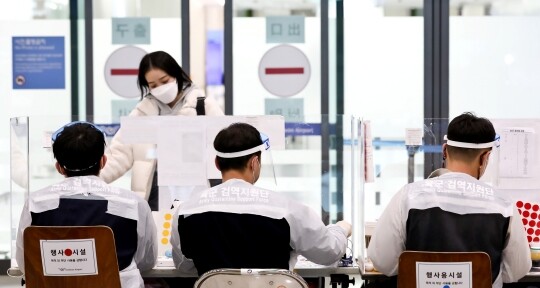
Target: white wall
(494, 67)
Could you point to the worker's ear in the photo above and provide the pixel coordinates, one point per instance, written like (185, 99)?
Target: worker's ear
(60, 169)
(444, 151)
(216, 163)
(102, 161)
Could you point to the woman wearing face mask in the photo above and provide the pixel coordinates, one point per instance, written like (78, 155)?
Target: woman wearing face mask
(165, 90)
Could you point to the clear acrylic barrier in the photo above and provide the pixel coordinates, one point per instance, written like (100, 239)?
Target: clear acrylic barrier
(395, 164)
(320, 166)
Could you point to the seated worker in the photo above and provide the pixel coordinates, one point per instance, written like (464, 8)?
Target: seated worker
(455, 212)
(83, 199)
(238, 225)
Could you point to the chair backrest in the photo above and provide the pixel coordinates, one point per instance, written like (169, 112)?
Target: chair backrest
(418, 267)
(250, 278)
(63, 257)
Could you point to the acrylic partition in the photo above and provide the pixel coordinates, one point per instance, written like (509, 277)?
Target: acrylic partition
(396, 153)
(19, 176)
(315, 160)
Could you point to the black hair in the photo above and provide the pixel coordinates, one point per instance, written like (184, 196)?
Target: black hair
(469, 128)
(235, 138)
(161, 60)
(79, 148)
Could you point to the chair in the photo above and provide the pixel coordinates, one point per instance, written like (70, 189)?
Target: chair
(250, 278)
(107, 263)
(480, 268)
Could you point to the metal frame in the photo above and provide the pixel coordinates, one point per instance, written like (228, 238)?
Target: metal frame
(325, 111)
(228, 57)
(74, 48)
(186, 52)
(436, 75)
(340, 105)
(89, 58)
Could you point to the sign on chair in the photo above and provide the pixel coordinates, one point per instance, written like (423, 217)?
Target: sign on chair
(423, 269)
(70, 257)
(444, 274)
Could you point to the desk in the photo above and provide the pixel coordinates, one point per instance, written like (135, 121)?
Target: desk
(338, 275)
(167, 272)
(304, 272)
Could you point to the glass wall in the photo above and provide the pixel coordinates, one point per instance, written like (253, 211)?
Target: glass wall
(36, 63)
(277, 70)
(494, 58)
(123, 32)
(384, 77)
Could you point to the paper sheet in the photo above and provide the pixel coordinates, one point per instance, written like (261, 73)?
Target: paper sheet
(368, 150)
(517, 152)
(181, 152)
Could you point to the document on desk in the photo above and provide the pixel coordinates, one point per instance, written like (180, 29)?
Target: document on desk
(517, 150)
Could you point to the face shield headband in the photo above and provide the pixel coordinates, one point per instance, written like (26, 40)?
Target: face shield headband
(494, 143)
(263, 147)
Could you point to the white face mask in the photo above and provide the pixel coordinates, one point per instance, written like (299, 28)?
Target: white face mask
(166, 93)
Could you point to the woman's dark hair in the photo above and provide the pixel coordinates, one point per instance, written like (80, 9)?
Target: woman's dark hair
(235, 138)
(161, 60)
(469, 128)
(79, 148)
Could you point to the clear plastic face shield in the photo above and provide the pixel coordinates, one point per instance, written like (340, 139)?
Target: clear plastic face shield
(493, 144)
(266, 177)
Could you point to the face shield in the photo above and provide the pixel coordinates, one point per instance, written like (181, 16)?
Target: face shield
(267, 176)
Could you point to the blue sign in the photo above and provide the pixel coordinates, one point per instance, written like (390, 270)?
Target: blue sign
(302, 129)
(38, 63)
(131, 30)
(285, 29)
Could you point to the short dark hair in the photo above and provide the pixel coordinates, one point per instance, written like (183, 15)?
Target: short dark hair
(78, 148)
(469, 128)
(235, 138)
(161, 60)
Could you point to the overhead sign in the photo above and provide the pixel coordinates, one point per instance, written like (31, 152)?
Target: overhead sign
(284, 70)
(38, 63)
(291, 109)
(121, 70)
(120, 108)
(131, 30)
(285, 29)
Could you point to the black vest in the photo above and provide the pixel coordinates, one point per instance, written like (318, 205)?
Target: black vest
(216, 240)
(434, 229)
